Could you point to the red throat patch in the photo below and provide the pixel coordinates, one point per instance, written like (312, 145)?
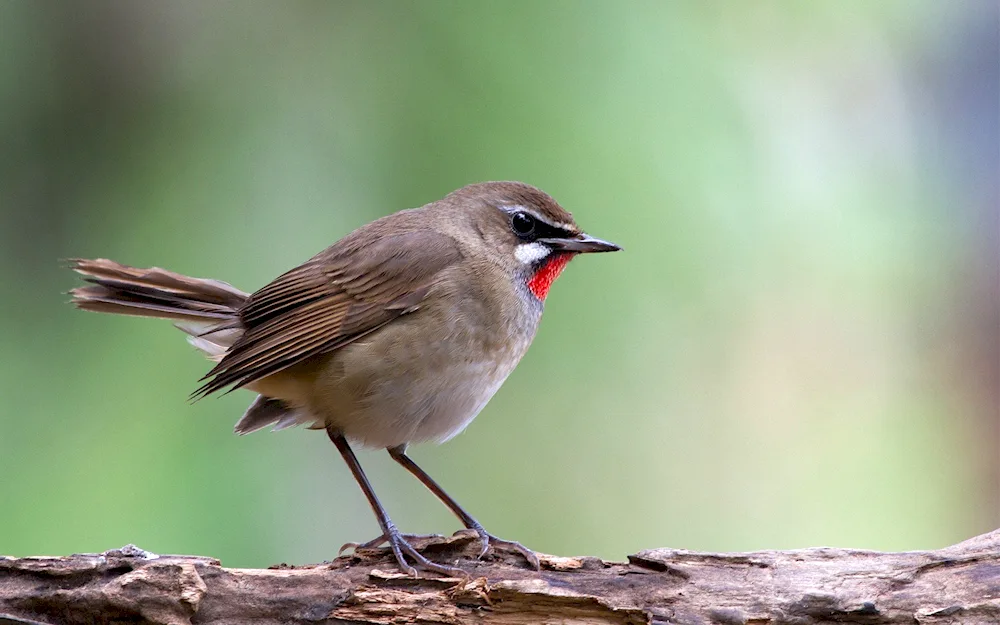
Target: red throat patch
(541, 282)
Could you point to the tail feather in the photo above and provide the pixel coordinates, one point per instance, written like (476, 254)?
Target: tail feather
(265, 411)
(212, 338)
(207, 310)
(154, 292)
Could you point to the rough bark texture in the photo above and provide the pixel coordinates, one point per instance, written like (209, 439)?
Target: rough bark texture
(959, 584)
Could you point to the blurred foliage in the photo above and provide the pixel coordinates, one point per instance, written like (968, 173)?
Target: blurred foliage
(799, 345)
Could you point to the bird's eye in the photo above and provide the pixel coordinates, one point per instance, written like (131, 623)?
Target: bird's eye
(522, 224)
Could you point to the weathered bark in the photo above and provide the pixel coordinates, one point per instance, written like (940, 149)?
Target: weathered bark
(959, 584)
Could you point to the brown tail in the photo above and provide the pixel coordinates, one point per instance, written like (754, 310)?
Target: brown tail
(207, 310)
(154, 292)
(203, 306)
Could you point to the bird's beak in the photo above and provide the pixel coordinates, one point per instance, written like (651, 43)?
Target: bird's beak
(580, 244)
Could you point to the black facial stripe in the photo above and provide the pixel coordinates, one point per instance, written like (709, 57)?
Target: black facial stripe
(548, 231)
(540, 230)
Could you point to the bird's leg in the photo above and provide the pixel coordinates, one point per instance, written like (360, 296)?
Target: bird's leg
(390, 533)
(485, 538)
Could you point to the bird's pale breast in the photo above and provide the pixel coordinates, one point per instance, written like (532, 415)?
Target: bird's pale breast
(426, 375)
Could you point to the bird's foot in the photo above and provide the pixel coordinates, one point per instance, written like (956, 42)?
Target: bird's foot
(401, 548)
(486, 539)
(381, 540)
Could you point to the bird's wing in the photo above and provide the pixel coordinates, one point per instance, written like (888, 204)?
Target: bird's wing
(336, 297)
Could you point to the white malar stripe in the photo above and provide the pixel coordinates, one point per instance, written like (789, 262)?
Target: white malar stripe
(531, 253)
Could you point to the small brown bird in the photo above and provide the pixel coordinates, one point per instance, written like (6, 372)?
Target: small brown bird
(399, 333)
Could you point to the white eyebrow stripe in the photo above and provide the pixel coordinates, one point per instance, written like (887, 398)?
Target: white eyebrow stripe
(555, 224)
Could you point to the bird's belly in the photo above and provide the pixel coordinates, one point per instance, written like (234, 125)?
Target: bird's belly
(397, 387)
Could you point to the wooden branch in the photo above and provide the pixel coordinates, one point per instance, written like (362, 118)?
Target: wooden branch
(959, 584)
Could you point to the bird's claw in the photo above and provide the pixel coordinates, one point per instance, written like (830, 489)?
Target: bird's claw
(381, 540)
(346, 546)
(486, 539)
(401, 548)
(400, 545)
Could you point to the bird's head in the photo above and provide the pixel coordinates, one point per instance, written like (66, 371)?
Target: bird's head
(525, 230)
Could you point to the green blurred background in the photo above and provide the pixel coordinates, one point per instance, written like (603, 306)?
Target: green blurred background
(800, 345)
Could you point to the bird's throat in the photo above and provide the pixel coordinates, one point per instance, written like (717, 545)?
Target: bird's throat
(542, 280)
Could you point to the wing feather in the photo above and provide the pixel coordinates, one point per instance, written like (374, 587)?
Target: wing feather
(338, 296)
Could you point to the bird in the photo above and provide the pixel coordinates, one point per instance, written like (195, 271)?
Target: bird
(398, 333)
